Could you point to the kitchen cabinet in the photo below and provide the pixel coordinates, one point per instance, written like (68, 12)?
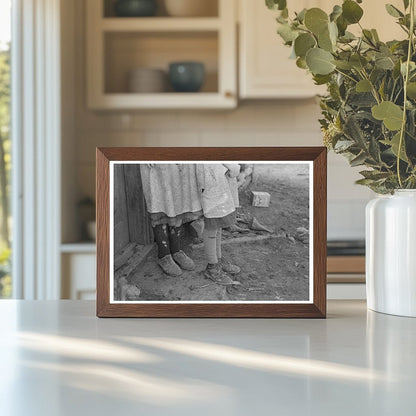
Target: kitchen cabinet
(78, 263)
(118, 45)
(265, 69)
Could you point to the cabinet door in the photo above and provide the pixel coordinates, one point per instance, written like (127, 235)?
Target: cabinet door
(78, 276)
(265, 68)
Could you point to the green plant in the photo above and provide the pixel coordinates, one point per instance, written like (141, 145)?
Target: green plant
(5, 279)
(369, 113)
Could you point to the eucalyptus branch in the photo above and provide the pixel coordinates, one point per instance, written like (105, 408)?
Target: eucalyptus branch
(406, 80)
(386, 96)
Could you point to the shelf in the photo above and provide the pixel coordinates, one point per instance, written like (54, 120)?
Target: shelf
(87, 247)
(160, 24)
(163, 100)
(128, 50)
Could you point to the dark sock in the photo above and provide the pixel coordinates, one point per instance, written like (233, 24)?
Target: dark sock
(162, 240)
(175, 235)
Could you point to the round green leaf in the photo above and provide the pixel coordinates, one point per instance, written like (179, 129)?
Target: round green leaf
(351, 11)
(358, 61)
(276, 4)
(344, 65)
(319, 61)
(363, 86)
(325, 42)
(391, 114)
(336, 12)
(384, 62)
(333, 32)
(316, 20)
(303, 43)
(287, 33)
(411, 90)
(301, 63)
(328, 38)
(394, 146)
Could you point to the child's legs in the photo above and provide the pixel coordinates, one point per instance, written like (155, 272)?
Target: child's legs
(210, 245)
(218, 247)
(162, 239)
(175, 235)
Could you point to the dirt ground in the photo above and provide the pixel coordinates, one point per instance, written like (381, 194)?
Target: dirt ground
(274, 266)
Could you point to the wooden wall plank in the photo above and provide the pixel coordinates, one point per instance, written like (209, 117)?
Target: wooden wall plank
(140, 230)
(121, 224)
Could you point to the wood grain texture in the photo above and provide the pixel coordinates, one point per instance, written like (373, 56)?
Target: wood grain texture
(213, 310)
(121, 223)
(103, 231)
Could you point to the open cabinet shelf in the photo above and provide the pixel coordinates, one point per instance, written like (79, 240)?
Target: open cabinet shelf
(160, 24)
(116, 46)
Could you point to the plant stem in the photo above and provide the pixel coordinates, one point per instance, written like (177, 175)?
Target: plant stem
(346, 75)
(373, 88)
(406, 80)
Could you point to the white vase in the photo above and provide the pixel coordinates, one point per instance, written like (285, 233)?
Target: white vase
(391, 253)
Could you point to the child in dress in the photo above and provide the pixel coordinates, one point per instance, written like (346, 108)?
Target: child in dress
(217, 185)
(172, 199)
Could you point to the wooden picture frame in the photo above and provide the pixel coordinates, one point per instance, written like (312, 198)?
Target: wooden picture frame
(313, 307)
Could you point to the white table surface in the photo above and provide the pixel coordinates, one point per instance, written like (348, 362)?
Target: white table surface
(57, 358)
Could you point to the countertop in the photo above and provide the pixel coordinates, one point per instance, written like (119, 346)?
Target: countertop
(57, 358)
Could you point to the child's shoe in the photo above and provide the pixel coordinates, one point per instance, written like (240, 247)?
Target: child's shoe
(228, 267)
(184, 261)
(169, 266)
(216, 274)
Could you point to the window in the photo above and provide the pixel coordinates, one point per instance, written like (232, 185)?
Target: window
(5, 147)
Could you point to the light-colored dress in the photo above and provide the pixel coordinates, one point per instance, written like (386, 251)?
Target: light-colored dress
(219, 195)
(171, 193)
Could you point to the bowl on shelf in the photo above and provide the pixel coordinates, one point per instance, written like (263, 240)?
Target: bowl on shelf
(135, 8)
(191, 8)
(147, 81)
(186, 76)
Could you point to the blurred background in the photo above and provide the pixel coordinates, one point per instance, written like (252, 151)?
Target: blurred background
(146, 73)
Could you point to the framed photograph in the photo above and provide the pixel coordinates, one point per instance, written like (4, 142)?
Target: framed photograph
(211, 232)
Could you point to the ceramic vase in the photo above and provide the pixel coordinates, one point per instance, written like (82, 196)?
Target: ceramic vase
(135, 8)
(186, 76)
(391, 253)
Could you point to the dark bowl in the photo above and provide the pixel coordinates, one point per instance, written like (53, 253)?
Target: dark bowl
(187, 76)
(135, 8)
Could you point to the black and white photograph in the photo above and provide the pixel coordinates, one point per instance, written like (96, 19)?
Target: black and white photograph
(211, 232)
